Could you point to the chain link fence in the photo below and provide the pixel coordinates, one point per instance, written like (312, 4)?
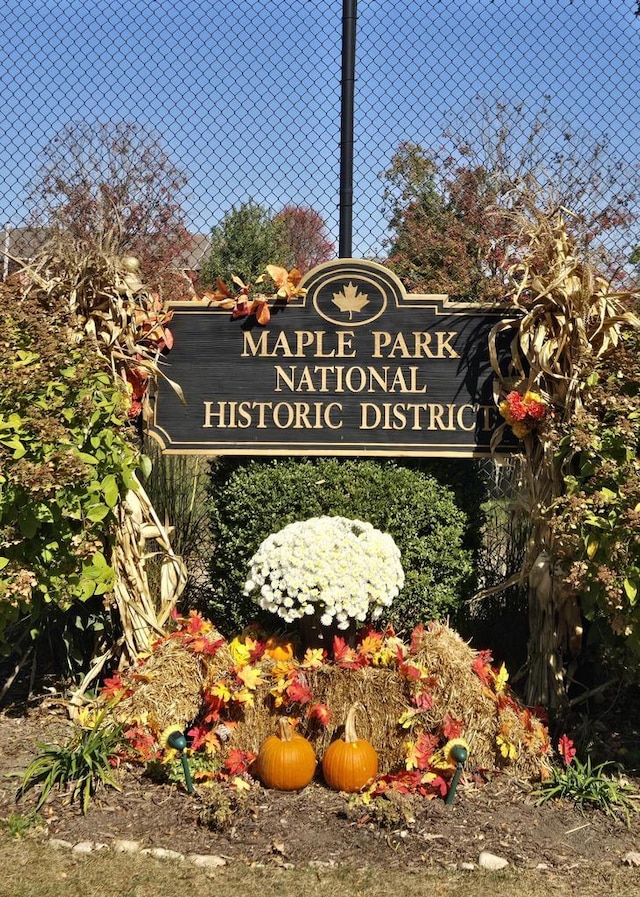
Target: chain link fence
(238, 102)
(164, 117)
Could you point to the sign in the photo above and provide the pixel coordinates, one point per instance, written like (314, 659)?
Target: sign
(355, 367)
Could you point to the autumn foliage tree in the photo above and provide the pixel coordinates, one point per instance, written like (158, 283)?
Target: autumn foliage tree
(305, 239)
(450, 208)
(444, 240)
(113, 185)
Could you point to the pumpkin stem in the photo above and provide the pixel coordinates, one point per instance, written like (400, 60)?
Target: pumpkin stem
(350, 735)
(285, 729)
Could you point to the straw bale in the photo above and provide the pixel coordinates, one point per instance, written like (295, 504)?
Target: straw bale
(168, 686)
(168, 689)
(456, 692)
(382, 692)
(460, 693)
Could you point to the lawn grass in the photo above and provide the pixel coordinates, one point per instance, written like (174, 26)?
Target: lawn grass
(30, 868)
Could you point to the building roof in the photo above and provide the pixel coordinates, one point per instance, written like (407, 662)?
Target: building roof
(192, 258)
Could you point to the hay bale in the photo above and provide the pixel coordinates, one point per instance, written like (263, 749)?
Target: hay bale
(167, 687)
(454, 688)
(168, 690)
(381, 691)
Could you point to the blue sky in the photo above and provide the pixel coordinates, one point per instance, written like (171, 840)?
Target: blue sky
(247, 95)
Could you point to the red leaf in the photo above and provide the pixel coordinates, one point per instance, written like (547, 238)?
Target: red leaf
(424, 749)
(481, 667)
(196, 624)
(345, 656)
(241, 309)
(433, 786)
(416, 638)
(203, 645)
(423, 701)
(451, 728)
(299, 691)
(141, 741)
(114, 687)
(410, 671)
(238, 761)
(566, 749)
(320, 712)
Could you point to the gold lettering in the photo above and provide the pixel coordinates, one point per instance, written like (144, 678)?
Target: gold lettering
(399, 380)
(276, 415)
(366, 409)
(416, 415)
(436, 413)
(302, 410)
(489, 415)
(327, 416)
(320, 353)
(382, 382)
(209, 414)
(399, 345)
(282, 345)
(244, 415)
(344, 343)
(421, 343)
(305, 381)
(413, 381)
(289, 380)
(323, 370)
(460, 417)
(359, 372)
(262, 407)
(380, 341)
(444, 343)
(259, 348)
(304, 338)
(421, 347)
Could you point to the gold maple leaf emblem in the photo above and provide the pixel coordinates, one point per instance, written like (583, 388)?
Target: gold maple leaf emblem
(350, 299)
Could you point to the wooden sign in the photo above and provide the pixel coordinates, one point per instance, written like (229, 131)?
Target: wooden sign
(356, 367)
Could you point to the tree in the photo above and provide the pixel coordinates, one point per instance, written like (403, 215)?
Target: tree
(450, 209)
(113, 185)
(247, 239)
(305, 237)
(250, 237)
(444, 240)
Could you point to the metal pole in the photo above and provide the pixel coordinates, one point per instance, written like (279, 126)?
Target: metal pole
(349, 16)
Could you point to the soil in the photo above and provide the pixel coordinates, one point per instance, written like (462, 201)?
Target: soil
(317, 826)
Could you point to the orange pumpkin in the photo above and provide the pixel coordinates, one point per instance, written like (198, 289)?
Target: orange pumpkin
(278, 649)
(350, 762)
(286, 761)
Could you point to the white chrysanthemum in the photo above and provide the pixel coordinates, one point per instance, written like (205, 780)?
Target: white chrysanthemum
(342, 569)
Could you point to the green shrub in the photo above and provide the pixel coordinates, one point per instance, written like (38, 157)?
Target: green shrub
(65, 460)
(251, 500)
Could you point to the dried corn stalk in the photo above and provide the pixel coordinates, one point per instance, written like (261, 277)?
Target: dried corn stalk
(568, 316)
(143, 619)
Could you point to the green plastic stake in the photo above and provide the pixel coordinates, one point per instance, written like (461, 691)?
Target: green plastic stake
(459, 754)
(178, 742)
